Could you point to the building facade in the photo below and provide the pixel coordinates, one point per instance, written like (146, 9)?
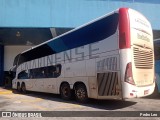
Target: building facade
(25, 23)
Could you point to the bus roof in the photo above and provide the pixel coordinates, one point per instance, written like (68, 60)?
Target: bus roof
(116, 11)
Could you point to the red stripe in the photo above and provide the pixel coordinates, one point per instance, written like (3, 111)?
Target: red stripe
(124, 29)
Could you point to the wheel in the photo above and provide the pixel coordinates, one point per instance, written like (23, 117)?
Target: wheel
(65, 91)
(155, 94)
(8, 82)
(23, 88)
(81, 93)
(18, 87)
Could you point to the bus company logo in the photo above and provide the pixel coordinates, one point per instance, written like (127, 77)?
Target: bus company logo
(6, 114)
(143, 37)
(142, 22)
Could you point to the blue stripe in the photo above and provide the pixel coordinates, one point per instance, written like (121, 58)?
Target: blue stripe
(96, 31)
(93, 32)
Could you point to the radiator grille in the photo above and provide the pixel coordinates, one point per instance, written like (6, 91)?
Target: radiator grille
(143, 59)
(107, 83)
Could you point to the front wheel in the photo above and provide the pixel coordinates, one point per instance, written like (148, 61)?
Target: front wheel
(23, 88)
(18, 88)
(81, 93)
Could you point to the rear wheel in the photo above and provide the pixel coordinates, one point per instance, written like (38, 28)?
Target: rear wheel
(65, 91)
(156, 92)
(81, 93)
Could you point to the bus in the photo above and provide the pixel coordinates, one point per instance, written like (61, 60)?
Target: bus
(157, 67)
(110, 57)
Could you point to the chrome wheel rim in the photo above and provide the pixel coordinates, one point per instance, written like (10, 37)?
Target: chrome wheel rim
(81, 94)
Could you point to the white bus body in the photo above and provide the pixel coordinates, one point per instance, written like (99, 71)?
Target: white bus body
(110, 60)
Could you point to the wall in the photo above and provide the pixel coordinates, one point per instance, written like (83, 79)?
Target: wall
(69, 13)
(1, 64)
(9, 54)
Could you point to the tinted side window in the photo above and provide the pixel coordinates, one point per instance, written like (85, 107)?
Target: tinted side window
(46, 72)
(22, 59)
(54, 71)
(16, 59)
(23, 75)
(96, 31)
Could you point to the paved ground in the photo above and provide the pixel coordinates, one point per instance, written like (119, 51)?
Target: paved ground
(48, 102)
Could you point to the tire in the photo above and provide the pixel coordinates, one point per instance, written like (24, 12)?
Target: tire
(155, 94)
(65, 91)
(81, 93)
(18, 88)
(23, 88)
(8, 82)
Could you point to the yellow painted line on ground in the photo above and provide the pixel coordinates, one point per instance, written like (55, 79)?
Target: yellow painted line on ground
(11, 96)
(28, 102)
(31, 102)
(5, 92)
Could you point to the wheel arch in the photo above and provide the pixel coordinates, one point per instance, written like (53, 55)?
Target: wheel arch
(77, 83)
(22, 83)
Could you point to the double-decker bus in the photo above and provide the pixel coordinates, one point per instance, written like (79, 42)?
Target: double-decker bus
(111, 57)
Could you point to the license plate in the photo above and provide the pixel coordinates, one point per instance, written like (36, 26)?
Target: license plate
(146, 92)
